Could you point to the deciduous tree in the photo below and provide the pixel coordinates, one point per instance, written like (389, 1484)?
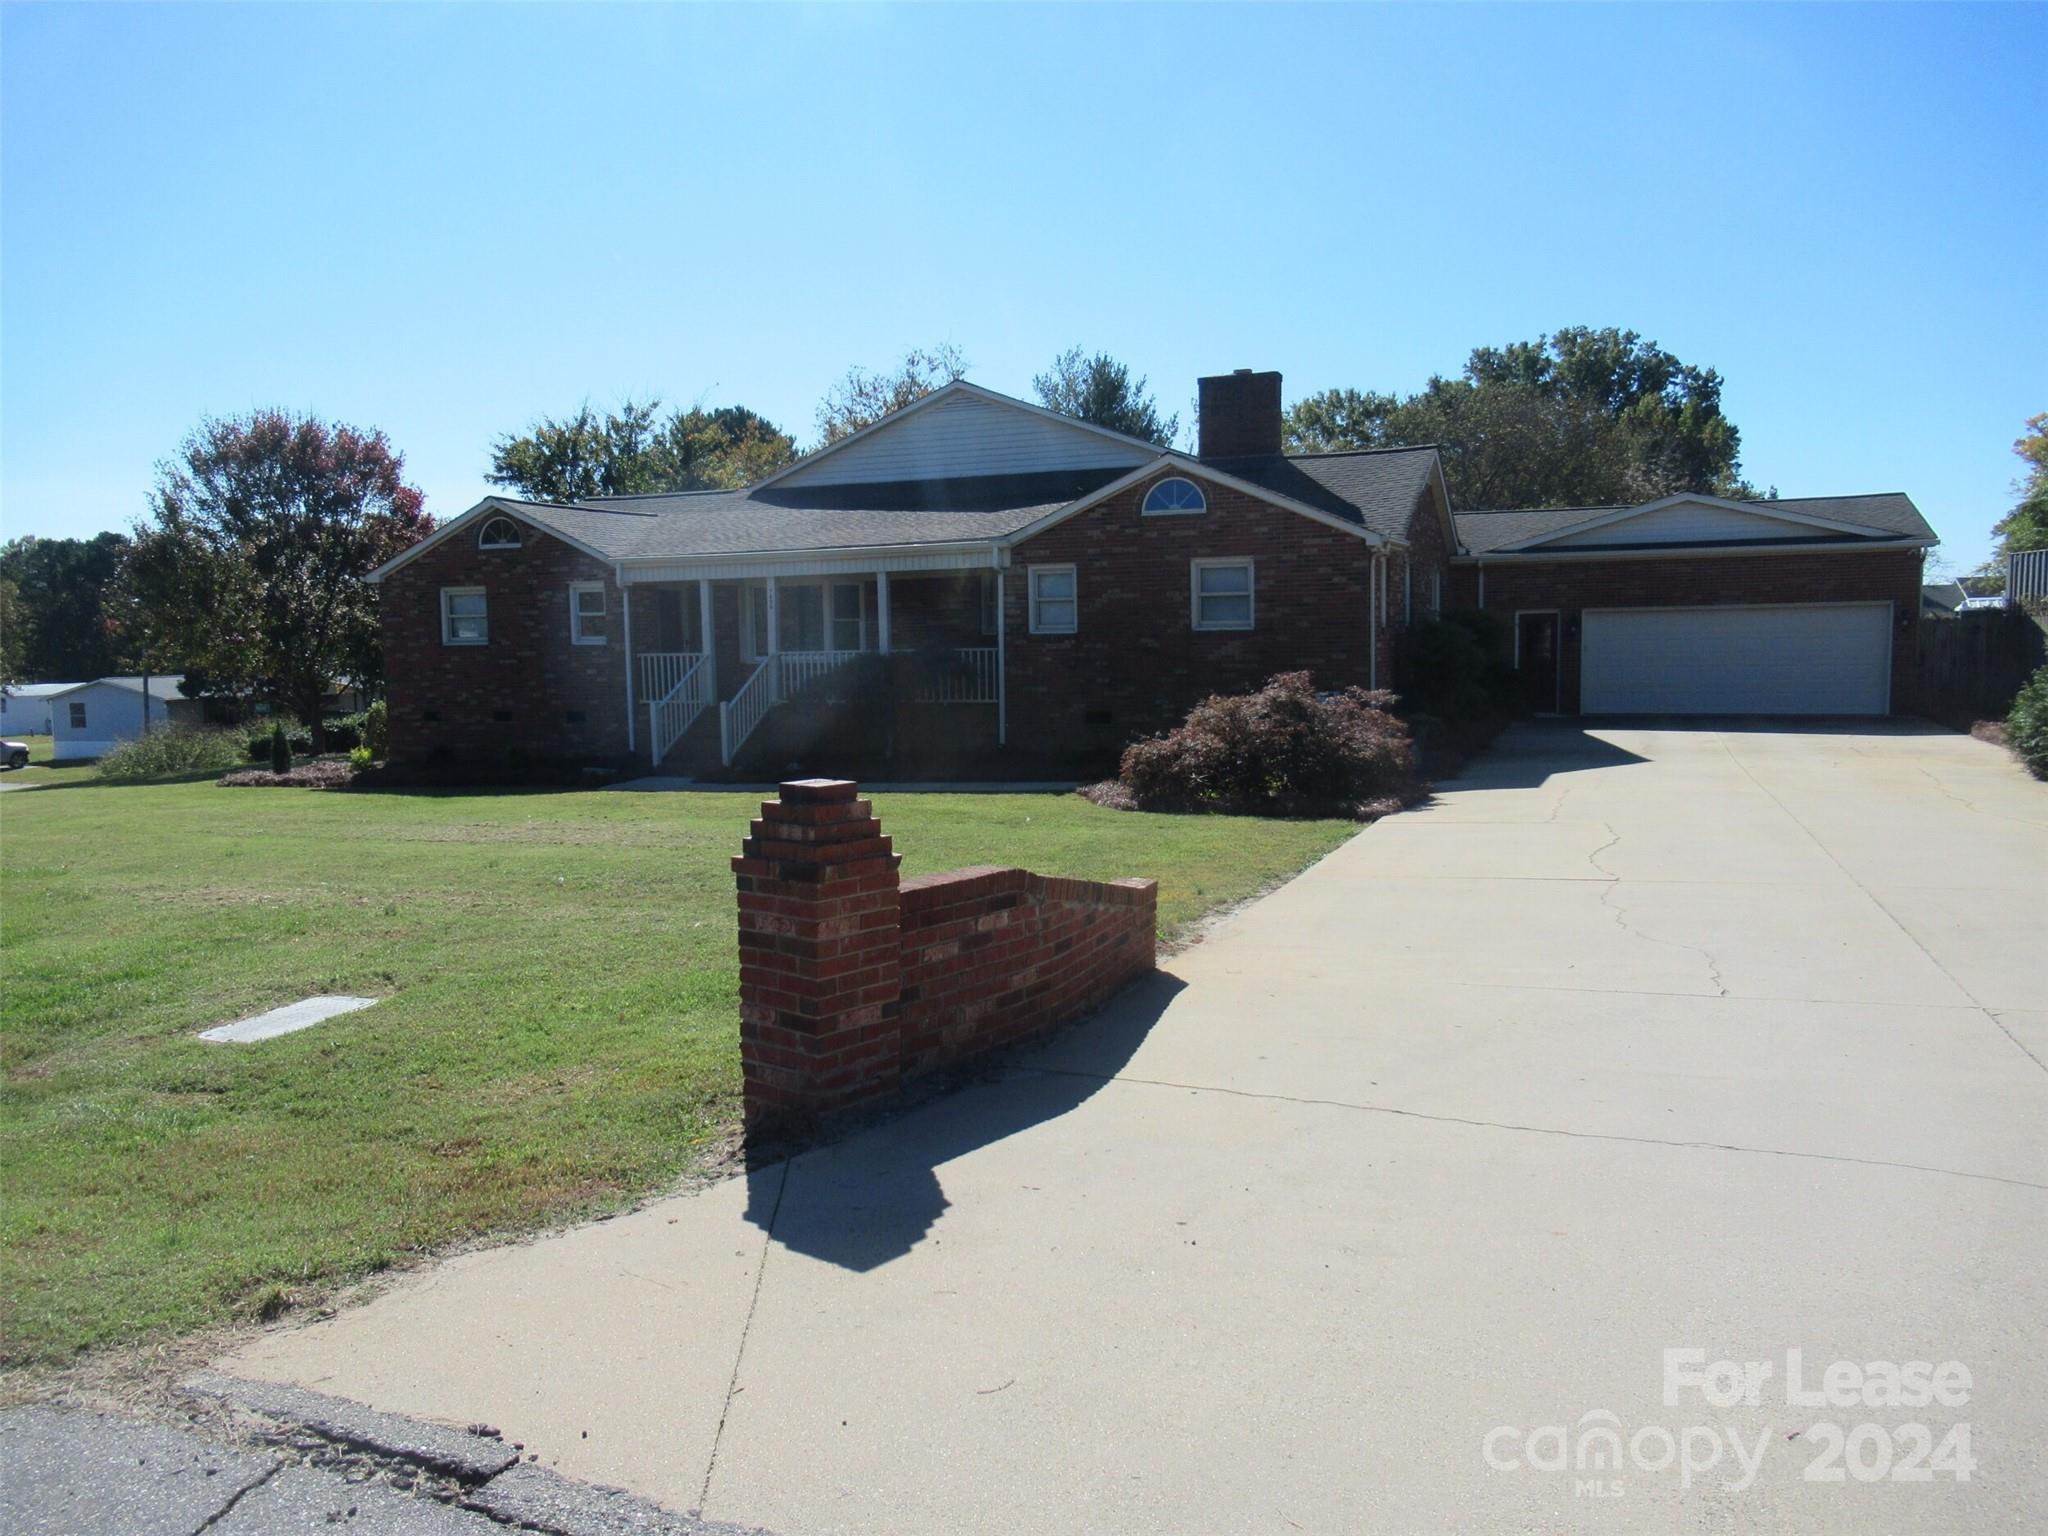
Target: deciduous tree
(64, 629)
(251, 566)
(2026, 525)
(1100, 389)
(863, 397)
(636, 451)
(1579, 418)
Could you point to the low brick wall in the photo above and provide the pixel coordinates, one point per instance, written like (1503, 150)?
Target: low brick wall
(991, 956)
(853, 981)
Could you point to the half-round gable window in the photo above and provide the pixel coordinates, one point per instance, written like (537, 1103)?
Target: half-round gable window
(1174, 495)
(499, 533)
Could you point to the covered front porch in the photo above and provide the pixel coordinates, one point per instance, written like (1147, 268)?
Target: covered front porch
(715, 657)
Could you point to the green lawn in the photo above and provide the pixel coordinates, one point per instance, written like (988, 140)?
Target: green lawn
(560, 1032)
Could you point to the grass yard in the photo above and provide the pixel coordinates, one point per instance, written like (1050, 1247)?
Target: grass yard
(560, 1033)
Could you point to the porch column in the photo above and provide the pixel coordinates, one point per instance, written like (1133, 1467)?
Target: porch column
(707, 634)
(774, 643)
(626, 624)
(882, 612)
(1002, 670)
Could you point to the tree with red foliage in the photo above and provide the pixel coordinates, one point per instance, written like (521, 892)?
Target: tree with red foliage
(250, 570)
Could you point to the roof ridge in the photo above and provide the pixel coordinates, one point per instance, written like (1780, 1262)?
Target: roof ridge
(1351, 453)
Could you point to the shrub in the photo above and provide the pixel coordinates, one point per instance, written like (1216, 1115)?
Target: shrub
(377, 730)
(2026, 728)
(1284, 750)
(172, 749)
(260, 733)
(280, 749)
(359, 758)
(1456, 667)
(341, 733)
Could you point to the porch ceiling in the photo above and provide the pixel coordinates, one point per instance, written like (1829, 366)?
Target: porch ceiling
(979, 556)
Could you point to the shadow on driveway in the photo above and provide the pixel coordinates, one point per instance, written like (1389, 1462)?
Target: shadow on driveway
(861, 1202)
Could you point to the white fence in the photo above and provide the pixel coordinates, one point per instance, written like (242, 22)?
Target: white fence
(2026, 575)
(970, 680)
(660, 671)
(801, 669)
(738, 715)
(669, 716)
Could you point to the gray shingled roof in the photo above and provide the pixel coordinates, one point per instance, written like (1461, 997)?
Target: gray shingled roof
(1376, 488)
(1893, 511)
(1373, 490)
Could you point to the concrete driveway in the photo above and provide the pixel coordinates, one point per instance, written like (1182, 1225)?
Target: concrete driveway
(1386, 1199)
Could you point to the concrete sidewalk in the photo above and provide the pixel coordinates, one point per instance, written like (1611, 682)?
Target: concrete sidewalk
(1632, 1041)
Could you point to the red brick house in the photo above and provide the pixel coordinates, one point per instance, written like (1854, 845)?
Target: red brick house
(975, 581)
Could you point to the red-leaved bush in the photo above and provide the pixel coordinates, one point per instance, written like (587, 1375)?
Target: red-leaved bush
(1282, 751)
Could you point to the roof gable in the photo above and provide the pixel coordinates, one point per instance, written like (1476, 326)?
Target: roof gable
(1690, 519)
(964, 430)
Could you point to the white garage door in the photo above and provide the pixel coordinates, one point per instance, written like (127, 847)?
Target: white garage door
(1824, 659)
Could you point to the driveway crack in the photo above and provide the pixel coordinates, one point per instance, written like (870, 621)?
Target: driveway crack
(1621, 918)
(240, 1494)
(732, 1385)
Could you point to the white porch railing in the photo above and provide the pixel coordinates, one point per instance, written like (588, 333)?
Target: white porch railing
(660, 671)
(970, 680)
(738, 715)
(800, 669)
(669, 716)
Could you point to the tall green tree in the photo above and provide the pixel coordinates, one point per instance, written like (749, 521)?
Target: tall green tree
(64, 627)
(635, 450)
(1100, 389)
(864, 397)
(1582, 417)
(251, 566)
(2026, 525)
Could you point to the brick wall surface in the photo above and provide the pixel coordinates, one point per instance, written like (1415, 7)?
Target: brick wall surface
(529, 685)
(993, 956)
(1136, 664)
(1572, 586)
(852, 981)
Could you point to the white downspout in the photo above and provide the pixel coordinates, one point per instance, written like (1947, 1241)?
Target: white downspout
(626, 610)
(1482, 583)
(1002, 667)
(1372, 622)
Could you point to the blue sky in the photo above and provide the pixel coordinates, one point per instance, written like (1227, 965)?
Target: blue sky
(446, 221)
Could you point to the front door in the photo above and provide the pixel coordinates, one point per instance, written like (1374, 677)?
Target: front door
(1538, 659)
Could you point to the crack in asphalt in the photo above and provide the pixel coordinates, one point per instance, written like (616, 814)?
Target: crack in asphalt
(1545, 1130)
(1621, 919)
(240, 1494)
(732, 1385)
(1971, 805)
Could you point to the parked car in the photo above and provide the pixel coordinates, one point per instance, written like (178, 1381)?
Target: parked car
(14, 753)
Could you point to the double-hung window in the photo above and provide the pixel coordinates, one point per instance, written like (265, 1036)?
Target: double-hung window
(1220, 592)
(463, 619)
(77, 717)
(1055, 604)
(848, 605)
(588, 622)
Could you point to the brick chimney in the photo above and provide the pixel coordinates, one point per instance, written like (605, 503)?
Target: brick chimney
(1240, 414)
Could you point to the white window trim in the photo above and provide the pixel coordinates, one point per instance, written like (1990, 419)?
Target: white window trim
(1251, 593)
(576, 635)
(447, 632)
(76, 715)
(1146, 510)
(490, 522)
(1031, 575)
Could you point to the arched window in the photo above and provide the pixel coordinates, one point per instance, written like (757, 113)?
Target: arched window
(1174, 495)
(499, 533)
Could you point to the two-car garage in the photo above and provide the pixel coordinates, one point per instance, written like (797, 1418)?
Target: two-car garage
(1696, 605)
(1787, 659)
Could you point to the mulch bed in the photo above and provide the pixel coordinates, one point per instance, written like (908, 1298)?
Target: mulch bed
(321, 773)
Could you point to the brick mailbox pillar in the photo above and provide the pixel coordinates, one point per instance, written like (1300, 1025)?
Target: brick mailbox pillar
(820, 956)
